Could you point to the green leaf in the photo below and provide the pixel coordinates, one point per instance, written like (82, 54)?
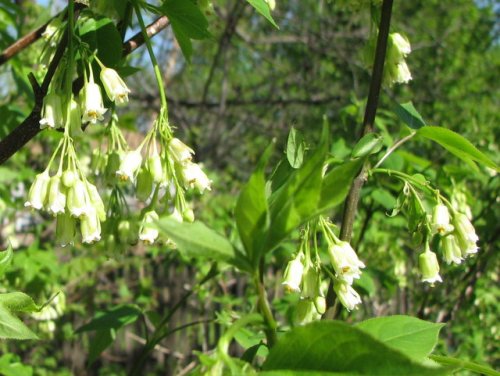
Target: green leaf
(456, 144)
(263, 8)
(251, 212)
(332, 346)
(295, 148)
(296, 200)
(187, 21)
(413, 337)
(11, 327)
(409, 114)
(11, 366)
(114, 318)
(100, 34)
(337, 182)
(100, 342)
(5, 259)
(370, 143)
(197, 240)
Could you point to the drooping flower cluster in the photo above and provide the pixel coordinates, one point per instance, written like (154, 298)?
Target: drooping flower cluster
(69, 197)
(90, 106)
(395, 67)
(346, 265)
(457, 237)
(303, 273)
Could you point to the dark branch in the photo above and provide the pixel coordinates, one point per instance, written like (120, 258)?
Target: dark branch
(30, 127)
(352, 200)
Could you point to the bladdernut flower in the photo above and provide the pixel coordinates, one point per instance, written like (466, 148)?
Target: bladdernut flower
(345, 261)
(441, 220)
(115, 87)
(429, 267)
(180, 151)
(466, 234)
(194, 176)
(38, 191)
(294, 271)
(92, 105)
(90, 226)
(147, 232)
(56, 196)
(52, 113)
(346, 294)
(129, 165)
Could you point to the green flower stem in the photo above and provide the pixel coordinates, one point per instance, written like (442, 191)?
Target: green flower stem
(265, 309)
(159, 79)
(464, 364)
(70, 57)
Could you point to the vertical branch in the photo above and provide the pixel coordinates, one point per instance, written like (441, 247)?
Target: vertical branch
(352, 200)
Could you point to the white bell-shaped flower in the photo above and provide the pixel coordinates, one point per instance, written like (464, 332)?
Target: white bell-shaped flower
(451, 250)
(90, 226)
(345, 261)
(180, 151)
(441, 220)
(148, 232)
(129, 165)
(38, 191)
(52, 113)
(115, 87)
(194, 176)
(292, 278)
(429, 267)
(56, 196)
(92, 106)
(346, 294)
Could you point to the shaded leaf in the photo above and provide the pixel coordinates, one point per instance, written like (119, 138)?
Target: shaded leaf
(100, 34)
(409, 114)
(5, 259)
(114, 318)
(413, 337)
(11, 327)
(251, 212)
(334, 346)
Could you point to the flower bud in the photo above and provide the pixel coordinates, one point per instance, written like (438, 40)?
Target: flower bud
(52, 113)
(65, 229)
(180, 151)
(292, 278)
(188, 215)
(155, 167)
(115, 88)
(90, 227)
(38, 191)
(346, 294)
(56, 196)
(311, 284)
(92, 105)
(69, 178)
(271, 4)
(441, 220)
(429, 267)
(345, 262)
(129, 165)
(320, 304)
(75, 118)
(96, 201)
(78, 200)
(144, 185)
(194, 176)
(451, 250)
(306, 312)
(148, 233)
